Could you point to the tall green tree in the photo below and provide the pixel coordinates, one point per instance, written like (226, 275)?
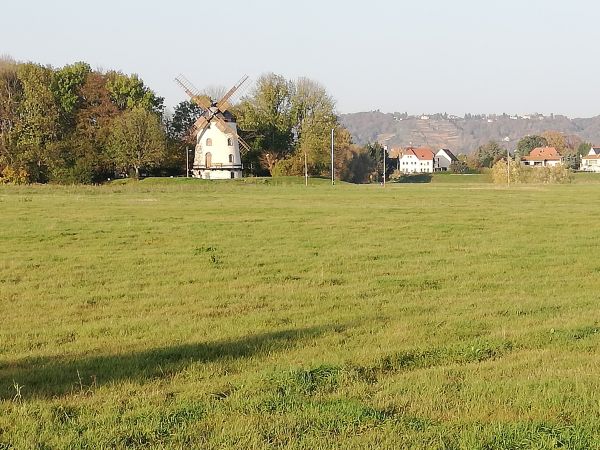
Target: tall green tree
(129, 92)
(313, 115)
(265, 116)
(66, 84)
(39, 124)
(179, 137)
(487, 155)
(137, 141)
(528, 143)
(11, 93)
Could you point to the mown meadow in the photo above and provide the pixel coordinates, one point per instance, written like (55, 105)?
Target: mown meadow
(190, 314)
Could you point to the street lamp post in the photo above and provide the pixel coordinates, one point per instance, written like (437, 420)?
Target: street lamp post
(332, 169)
(187, 162)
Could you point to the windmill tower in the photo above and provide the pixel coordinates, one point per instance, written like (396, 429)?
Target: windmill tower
(217, 153)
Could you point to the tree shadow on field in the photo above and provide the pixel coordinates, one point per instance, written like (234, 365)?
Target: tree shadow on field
(47, 377)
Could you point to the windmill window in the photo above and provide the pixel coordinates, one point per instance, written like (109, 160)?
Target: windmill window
(230, 158)
(208, 142)
(230, 143)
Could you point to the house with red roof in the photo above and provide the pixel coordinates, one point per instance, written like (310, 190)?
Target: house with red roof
(591, 161)
(542, 157)
(417, 160)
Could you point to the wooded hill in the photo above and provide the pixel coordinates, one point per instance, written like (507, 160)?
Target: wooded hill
(461, 134)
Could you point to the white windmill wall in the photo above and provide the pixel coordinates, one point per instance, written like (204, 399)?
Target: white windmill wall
(219, 167)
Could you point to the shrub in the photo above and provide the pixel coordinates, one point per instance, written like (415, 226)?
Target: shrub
(11, 175)
(520, 174)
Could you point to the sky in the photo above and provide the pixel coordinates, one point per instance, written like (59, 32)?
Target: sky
(461, 56)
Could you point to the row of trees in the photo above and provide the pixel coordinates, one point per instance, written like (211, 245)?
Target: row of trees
(571, 147)
(78, 125)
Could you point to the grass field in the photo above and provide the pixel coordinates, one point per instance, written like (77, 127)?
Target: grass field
(185, 314)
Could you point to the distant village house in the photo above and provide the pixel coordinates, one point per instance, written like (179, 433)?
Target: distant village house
(542, 157)
(443, 160)
(417, 160)
(589, 162)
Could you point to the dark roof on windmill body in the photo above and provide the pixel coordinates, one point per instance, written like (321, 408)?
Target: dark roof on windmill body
(226, 116)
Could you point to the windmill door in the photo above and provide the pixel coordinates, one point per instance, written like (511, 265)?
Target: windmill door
(208, 159)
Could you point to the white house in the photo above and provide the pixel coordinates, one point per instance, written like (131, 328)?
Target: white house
(591, 161)
(417, 160)
(443, 159)
(542, 157)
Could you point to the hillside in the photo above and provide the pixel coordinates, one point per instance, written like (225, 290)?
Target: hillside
(461, 134)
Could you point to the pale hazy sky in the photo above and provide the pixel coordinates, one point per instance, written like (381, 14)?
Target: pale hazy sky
(477, 56)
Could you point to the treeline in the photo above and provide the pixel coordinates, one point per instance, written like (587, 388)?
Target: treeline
(569, 146)
(78, 125)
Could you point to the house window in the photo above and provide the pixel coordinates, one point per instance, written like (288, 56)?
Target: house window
(230, 158)
(230, 143)
(208, 142)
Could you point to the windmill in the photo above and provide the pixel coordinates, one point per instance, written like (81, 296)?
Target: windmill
(217, 154)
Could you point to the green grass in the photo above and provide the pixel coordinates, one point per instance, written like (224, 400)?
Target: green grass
(186, 314)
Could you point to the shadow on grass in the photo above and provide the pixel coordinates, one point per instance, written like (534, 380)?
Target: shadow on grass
(47, 377)
(415, 178)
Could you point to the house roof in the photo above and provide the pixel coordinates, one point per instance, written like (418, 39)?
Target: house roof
(595, 151)
(422, 153)
(449, 153)
(543, 154)
(591, 157)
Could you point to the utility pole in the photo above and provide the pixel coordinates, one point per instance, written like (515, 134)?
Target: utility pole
(332, 169)
(305, 171)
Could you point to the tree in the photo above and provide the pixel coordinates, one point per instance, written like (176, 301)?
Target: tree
(179, 126)
(528, 143)
(11, 93)
(487, 155)
(267, 114)
(584, 148)
(39, 123)
(137, 141)
(359, 167)
(459, 166)
(557, 140)
(180, 138)
(313, 117)
(286, 120)
(65, 86)
(129, 92)
(375, 150)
